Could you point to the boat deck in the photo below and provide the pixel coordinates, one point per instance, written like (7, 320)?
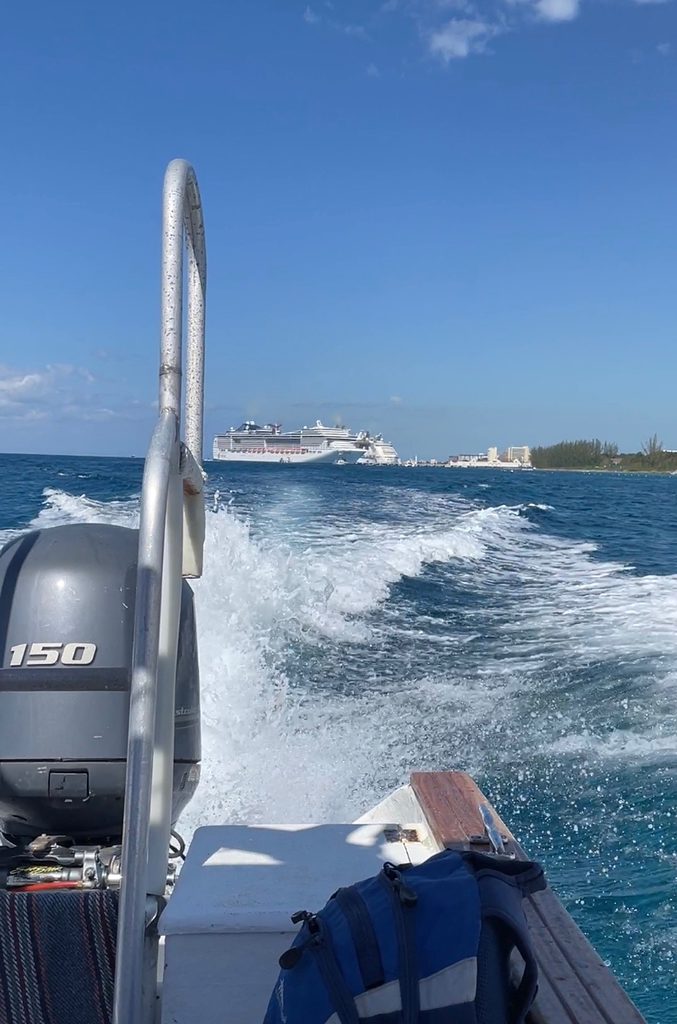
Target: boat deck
(575, 986)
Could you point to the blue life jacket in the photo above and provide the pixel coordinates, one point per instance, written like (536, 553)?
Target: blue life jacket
(429, 944)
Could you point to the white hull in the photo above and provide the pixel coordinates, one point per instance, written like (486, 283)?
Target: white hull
(379, 453)
(288, 458)
(228, 920)
(378, 456)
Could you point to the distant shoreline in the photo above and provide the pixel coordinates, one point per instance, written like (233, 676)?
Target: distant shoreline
(601, 469)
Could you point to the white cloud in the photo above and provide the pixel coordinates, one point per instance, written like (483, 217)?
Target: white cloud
(373, 71)
(54, 392)
(98, 414)
(395, 400)
(20, 387)
(455, 29)
(557, 10)
(460, 37)
(29, 395)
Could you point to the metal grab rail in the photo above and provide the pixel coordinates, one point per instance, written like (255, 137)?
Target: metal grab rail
(171, 478)
(182, 211)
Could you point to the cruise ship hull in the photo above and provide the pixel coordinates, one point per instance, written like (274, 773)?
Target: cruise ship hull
(326, 455)
(380, 453)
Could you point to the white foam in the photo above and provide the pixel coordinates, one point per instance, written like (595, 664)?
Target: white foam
(656, 744)
(271, 747)
(59, 508)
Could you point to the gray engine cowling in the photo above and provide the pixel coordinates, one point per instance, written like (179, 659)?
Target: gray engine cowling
(66, 624)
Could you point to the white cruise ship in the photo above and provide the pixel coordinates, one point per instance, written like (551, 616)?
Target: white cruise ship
(269, 443)
(378, 452)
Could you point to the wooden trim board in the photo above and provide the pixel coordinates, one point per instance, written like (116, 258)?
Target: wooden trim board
(575, 986)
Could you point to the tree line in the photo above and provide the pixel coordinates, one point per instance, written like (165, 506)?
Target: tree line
(596, 454)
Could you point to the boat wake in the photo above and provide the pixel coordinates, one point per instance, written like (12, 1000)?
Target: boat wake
(333, 661)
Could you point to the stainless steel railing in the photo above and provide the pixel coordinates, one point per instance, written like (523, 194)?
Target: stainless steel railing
(171, 538)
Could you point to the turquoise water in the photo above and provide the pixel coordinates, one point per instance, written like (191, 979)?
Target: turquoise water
(358, 623)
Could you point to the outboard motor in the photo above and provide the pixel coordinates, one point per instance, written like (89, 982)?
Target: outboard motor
(67, 599)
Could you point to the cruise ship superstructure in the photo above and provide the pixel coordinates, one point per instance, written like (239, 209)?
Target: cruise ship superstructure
(269, 443)
(378, 452)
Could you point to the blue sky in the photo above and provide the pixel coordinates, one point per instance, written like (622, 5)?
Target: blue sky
(450, 220)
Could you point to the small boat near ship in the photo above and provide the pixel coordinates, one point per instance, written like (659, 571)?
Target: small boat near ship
(100, 752)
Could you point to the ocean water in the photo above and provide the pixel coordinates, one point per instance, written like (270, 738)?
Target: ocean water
(358, 623)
